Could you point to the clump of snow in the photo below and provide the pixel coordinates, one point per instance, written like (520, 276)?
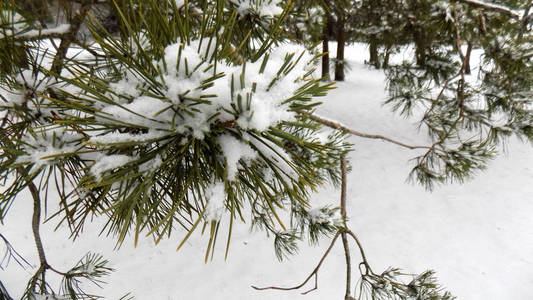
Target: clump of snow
(108, 163)
(324, 216)
(124, 137)
(234, 151)
(151, 165)
(189, 106)
(141, 112)
(269, 8)
(216, 197)
(60, 29)
(47, 147)
(180, 3)
(89, 268)
(127, 86)
(273, 86)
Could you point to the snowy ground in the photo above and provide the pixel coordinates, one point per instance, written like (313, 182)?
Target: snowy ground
(477, 236)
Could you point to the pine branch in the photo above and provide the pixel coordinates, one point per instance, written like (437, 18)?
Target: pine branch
(339, 126)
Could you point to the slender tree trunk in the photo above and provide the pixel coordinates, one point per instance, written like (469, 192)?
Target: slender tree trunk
(326, 33)
(373, 49)
(341, 41)
(325, 59)
(420, 48)
(388, 50)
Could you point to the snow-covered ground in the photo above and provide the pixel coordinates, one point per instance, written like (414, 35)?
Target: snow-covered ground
(477, 236)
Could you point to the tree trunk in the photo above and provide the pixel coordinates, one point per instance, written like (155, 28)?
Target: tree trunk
(388, 50)
(373, 49)
(341, 40)
(326, 31)
(420, 48)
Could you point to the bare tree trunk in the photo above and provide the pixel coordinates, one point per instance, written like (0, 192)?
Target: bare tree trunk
(373, 49)
(341, 41)
(326, 31)
(388, 50)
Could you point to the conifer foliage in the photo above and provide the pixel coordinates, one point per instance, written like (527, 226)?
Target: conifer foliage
(190, 113)
(168, 117)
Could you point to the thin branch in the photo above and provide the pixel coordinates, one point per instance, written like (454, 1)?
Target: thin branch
(69, 37)
(36, 221)
(11, 253)
(339, 126)
(343, 234)
(314, 273)
(361, 250)
(490, 6)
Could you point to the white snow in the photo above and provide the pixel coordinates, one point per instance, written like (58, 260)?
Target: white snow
(268, 8)
(47, 147)
(184, 71)
(235, 152)
(108, 163)
(59, 29)
(11, 98)
(477, 236)
(216, 197)
(151, 165)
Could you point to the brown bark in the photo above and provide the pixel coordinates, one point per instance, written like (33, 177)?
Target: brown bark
(341, 41)
(326, 33)
(373, 51)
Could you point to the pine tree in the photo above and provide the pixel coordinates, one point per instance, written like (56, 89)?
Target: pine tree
(465, 119)
(189, 113)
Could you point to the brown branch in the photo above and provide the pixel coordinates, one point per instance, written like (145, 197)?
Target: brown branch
(361, 250)
(69, 37)
(339, 126)
(490, 6)
(314, 273)
(36, 221)
(343, 234)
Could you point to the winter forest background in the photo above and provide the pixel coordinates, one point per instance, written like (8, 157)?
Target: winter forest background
(359, 149)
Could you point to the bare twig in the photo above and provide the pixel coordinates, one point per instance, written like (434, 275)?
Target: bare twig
(339, 126)
(314, 273)
(11, 253)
